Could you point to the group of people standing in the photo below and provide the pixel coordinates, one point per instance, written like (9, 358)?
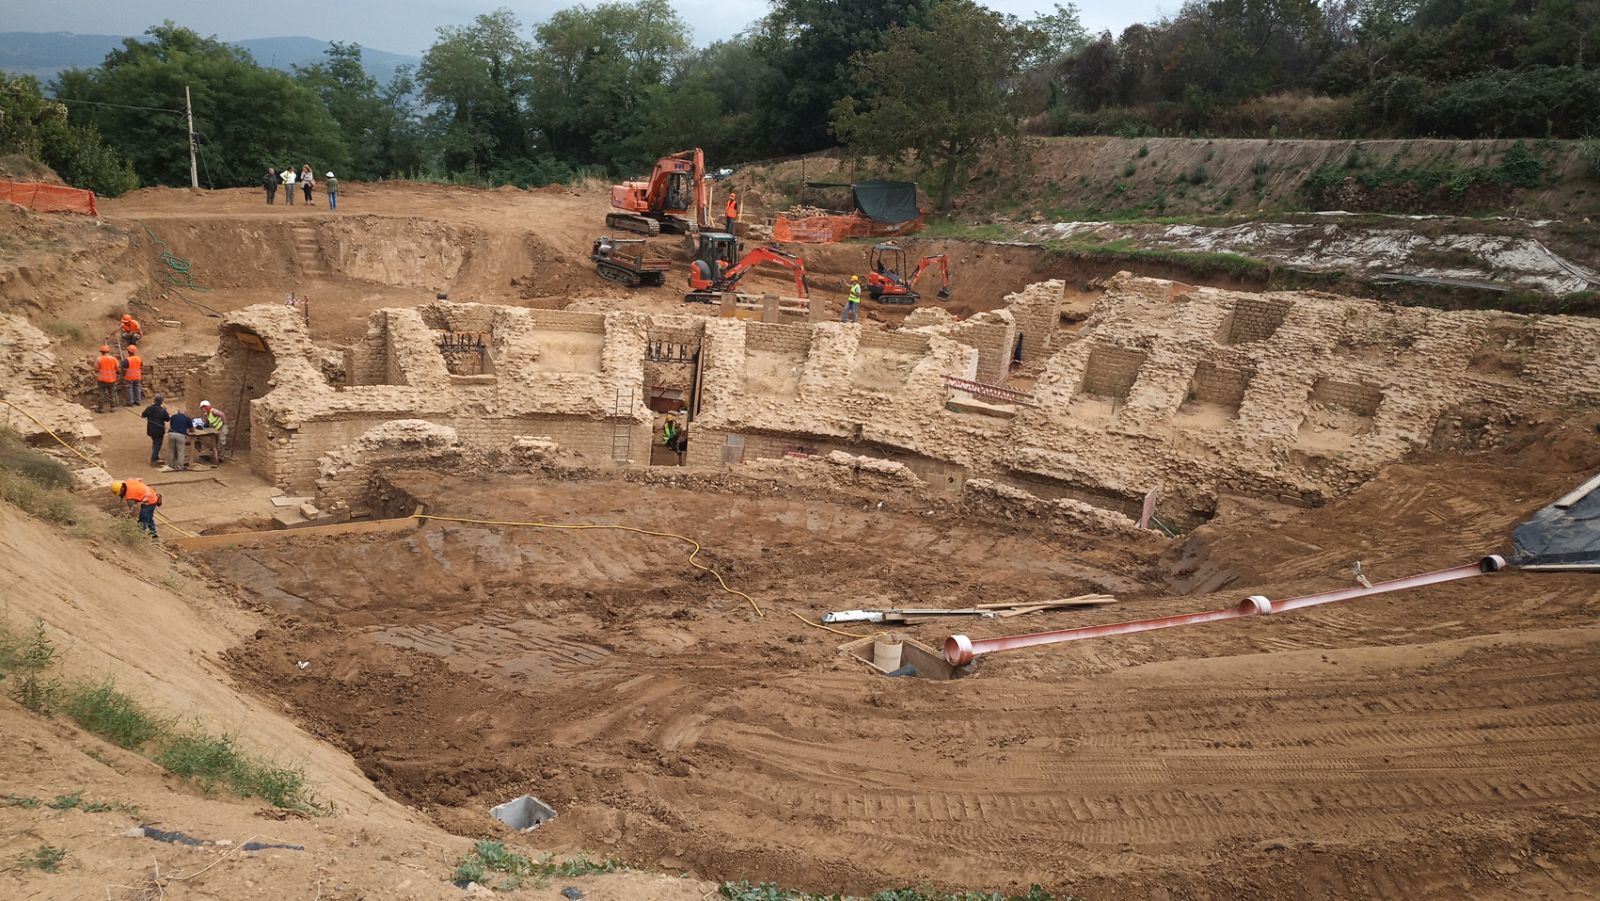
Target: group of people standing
(174, 428)
(288, 179)
(127, 367)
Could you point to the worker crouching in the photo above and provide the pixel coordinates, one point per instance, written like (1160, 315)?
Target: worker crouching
(137, 492)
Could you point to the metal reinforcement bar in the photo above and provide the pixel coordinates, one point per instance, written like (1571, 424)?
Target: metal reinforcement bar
(993, 392)
(960, 650)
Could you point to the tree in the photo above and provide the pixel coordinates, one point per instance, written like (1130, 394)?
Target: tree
(597, 74)
(249, 117)
(37, 128)
(364, 115)
(810, 45)
(941, 93)
(478, 78)
(1061, 31)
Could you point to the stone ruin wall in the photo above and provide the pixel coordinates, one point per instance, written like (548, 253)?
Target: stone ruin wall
(1192, 393)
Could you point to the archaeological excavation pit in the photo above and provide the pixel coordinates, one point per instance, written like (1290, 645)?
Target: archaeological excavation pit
(486, 654)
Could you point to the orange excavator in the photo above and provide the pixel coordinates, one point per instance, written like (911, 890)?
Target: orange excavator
(886, 274)
(715, 270)
(663, 201)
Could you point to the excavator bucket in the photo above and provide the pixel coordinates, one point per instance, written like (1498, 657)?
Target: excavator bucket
(944, 293)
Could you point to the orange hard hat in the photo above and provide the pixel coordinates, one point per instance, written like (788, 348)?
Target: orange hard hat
(105, 348)
(126, 316)
(133, 348)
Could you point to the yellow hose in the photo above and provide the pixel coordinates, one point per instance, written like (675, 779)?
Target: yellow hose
(84, 457)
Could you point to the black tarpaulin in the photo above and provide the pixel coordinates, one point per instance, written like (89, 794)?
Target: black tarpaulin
(1564, 533)
(886, 201)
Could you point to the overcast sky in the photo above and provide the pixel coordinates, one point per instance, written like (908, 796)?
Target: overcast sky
(407, 26)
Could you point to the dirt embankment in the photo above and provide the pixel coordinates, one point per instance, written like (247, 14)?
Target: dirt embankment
(1112, 177)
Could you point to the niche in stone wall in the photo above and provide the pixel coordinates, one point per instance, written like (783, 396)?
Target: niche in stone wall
(1214, 396)
(1338, 411)
(1253, 319)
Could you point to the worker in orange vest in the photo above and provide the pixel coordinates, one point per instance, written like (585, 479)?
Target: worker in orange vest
(131, 333)
(137, 492)
(133, 374)
(733, 210)
(106, 374)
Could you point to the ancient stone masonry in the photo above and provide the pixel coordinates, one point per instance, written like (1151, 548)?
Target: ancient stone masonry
(31, 378)
(1190, 393)
(546, 373)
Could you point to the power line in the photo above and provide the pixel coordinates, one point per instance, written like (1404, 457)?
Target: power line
(153, 109)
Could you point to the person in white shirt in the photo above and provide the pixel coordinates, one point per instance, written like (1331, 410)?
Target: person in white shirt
(288, 183)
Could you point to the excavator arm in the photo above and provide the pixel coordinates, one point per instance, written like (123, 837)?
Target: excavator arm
(944, 273)
(769, 255)
(944, 270)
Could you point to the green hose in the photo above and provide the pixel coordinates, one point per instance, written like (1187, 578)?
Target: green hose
(180, 276)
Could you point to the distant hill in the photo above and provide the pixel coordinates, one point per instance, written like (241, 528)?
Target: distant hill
(44, 54)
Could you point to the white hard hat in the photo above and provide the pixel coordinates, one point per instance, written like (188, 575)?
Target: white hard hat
(205, 403)
(329, 175)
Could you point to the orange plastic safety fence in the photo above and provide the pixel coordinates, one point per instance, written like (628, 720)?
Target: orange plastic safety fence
(831, 229)
(48, 198)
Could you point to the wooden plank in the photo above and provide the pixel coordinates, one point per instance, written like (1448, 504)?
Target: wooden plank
(244, 539)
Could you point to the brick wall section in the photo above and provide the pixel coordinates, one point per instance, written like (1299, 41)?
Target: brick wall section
(1362, 400)
(1254, 319)
(1038, 316)
(793, 340)
(1217, 384)
(170, 374)
(993, 336)
(568, 321)
(236, 374)
(1111, 371)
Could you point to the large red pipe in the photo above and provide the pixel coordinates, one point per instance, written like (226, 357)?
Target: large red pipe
(960, 650)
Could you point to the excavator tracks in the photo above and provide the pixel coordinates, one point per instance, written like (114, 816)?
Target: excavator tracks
(637, 224)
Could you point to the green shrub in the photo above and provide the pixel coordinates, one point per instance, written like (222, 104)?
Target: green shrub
(1129, 170)
(1591, 156)
(26, 662)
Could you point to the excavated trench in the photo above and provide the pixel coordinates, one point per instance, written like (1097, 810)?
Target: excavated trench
(1372, 749)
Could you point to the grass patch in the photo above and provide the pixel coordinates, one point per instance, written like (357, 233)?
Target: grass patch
(745, 891)
(27, 664)
(19, 801)
(76, 802)
(211, 761)
(46, 858)
(35, 483)
(490, 863)
(1520, 167)
(113, 715)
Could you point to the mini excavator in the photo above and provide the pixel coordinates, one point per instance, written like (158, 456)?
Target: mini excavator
(662, 202)
(715, 271)
(886, 274)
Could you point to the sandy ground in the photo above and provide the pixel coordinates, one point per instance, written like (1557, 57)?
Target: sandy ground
(1379, 748)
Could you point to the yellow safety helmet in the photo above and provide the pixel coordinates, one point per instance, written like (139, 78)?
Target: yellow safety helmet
(116, 488)
(854, 279)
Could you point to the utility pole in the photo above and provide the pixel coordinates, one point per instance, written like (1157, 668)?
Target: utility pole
(188, 109)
